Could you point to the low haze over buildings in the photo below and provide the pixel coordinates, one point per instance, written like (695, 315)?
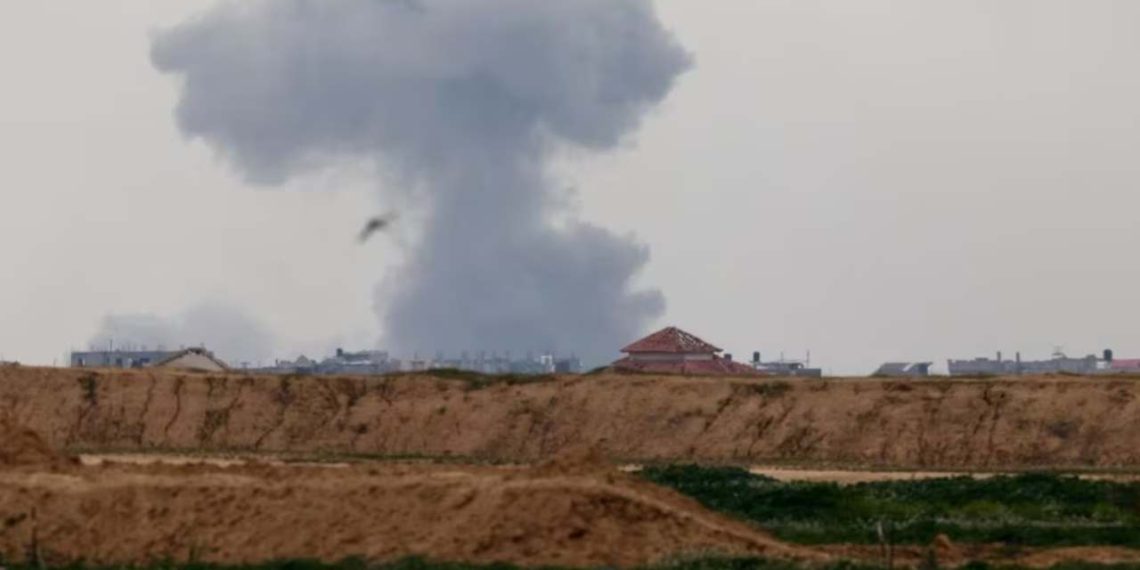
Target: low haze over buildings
(670, 350)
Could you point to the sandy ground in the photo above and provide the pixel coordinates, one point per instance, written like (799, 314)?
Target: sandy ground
(97, 459)
(212, 467)
(561, 513)
(860, 424)
(778, 472)
(574, 510)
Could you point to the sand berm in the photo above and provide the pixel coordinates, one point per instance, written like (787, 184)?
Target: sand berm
(573, 511)
(1029, 422)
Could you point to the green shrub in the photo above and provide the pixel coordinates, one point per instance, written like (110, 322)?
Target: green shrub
(1035, 509)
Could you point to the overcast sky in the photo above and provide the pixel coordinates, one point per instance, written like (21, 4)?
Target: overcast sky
(874, 180)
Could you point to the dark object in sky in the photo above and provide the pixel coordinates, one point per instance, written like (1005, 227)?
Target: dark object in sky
(376, 224)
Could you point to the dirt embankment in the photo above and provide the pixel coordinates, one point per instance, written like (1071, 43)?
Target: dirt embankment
(574, 511)
(1060, 422)
(552, 515)
(21, 448)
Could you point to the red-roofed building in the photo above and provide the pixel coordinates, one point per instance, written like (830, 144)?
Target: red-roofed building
(674, 351)
(1126, 365)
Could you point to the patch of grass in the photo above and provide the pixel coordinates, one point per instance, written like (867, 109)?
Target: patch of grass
(479, 380)
(772, 389)
(1034, 509)
(90, 386)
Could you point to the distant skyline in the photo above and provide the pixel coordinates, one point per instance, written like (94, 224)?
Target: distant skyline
(873, 181)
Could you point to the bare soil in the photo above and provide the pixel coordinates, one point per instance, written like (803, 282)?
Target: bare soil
(562, 513)
(575, 509)
(22, 447)
(869, 424)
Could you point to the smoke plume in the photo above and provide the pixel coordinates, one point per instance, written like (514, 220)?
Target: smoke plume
(465, 100)
(225, 330)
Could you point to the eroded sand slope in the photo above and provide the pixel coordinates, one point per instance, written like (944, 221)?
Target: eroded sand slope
(562, 513)
(995, 424)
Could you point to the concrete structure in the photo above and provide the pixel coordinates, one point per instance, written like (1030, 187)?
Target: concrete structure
(904, 369)
(363, 362)
(495, 364)
(189, 359)
(1058, 364)
(1124, 366)
(118, 358)
(368, 362)
(195, 359)
(360, 362)
(782, 367)
(674, 351)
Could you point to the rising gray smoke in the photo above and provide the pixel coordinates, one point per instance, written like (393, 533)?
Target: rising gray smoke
(465, 100)
(225, 330)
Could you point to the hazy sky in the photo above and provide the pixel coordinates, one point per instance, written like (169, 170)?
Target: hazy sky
(870, 180)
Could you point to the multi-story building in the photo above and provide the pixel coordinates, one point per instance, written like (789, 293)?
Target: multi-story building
(784, 367)
(188, 358)
(118, 358)
(1059, 363)
(504, 364)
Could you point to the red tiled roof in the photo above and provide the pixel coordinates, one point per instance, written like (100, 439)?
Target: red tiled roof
(672, 340)
(714, 367)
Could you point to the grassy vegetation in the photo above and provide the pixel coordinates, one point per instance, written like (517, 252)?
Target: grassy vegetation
(478, 380)
(1030, 509)
(711, 563)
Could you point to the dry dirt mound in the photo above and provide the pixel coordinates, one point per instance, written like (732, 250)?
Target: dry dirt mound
(576, 460)
(928, 424)
(131, 514)
(22, 447)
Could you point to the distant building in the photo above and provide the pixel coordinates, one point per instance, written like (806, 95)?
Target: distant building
(1058, 364)
(364, 362)
(1124, 366)
(674, 351)
(189, 359)
(503, 364)
(196, 359)
(781, 367)
(570, 365)
(361, 362)
(904, 369)
(117, 358)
